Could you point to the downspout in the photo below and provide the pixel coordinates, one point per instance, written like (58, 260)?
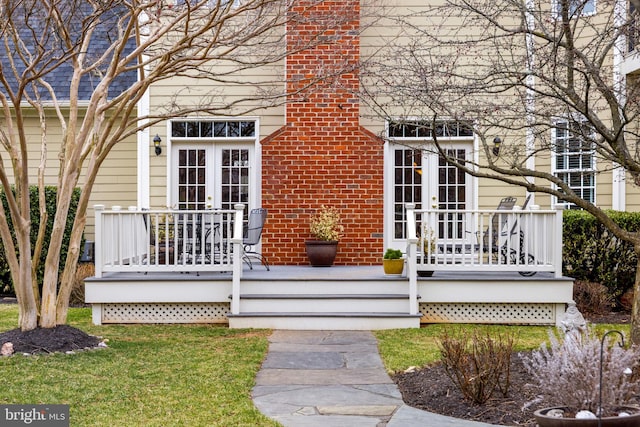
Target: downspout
(618, 190)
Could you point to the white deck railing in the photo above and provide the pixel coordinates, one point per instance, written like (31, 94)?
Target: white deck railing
(168, 241)
(524, 241)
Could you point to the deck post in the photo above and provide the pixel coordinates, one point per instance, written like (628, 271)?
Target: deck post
(412, 247)
(237, 258)
(97, 252)
(557, 243)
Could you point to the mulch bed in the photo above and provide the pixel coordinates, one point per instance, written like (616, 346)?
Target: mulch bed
(62, 338)
(430, 389)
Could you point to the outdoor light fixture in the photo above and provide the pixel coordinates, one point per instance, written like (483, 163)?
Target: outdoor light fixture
(156, 143)
(496, 145)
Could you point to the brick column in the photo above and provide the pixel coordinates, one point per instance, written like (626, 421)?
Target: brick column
(322, 156)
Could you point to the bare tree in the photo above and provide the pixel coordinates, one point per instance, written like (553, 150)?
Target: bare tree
(118, 48)
(524, 70)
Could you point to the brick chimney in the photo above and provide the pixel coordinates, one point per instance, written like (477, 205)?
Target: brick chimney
(322, 156)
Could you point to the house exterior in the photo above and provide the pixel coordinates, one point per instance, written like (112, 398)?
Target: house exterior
(326, 147)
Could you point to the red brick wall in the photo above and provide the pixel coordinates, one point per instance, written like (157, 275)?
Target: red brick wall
(322, 156)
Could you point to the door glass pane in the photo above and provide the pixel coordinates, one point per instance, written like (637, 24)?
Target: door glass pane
(235, 172)
(407, 186)
(452, 184)
(191, 178)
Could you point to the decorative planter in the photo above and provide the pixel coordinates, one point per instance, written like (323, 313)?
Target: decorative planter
(545, 420)
(393, 266)
(425, 273)
(321, 253)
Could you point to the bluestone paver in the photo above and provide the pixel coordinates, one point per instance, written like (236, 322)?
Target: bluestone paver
(334, 379)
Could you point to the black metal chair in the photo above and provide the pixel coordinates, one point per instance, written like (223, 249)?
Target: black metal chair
(252, 236)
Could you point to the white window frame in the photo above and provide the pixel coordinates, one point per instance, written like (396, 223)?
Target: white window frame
(581, 170)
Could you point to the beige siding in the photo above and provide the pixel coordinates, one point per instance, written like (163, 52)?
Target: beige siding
(115, 183)
(381, 28)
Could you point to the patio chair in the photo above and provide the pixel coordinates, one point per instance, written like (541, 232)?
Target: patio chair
(491, 236)
(496, 237)
(252, 235)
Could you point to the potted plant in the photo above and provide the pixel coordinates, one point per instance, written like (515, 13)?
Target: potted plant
(570, 375)
(165, 244)
(392, 262)
(326, 228)
(427, 247)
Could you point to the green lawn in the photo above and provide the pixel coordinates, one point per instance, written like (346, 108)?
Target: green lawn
(179, 375)
(151, 375)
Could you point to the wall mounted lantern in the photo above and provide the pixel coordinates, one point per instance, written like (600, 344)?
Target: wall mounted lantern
(496, 145)
(156, 143)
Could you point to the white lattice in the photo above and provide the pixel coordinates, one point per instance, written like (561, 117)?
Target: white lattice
(166, 313)
(537, 314)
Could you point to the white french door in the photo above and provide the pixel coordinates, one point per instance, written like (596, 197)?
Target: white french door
(211, 175)
(419, 176)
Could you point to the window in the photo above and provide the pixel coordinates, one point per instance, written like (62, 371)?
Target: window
(422, 129)
(576, 8)
(574, 157)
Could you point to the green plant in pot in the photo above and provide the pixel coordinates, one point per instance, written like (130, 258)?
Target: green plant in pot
(164, 226)
(426, 251)
(393, 262)
(326, 228)
(568, 376)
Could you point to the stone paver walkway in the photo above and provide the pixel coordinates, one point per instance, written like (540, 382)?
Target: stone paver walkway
(334, 379)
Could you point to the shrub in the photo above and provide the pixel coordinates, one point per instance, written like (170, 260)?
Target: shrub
(478, 364)
(591, 253)
(591, 297)
(50, 197)
(326, 224)
(567, 373)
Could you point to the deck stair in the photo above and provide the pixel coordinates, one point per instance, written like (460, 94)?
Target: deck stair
(325, 303)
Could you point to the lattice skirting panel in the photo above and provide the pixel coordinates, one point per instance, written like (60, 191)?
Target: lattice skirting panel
(519, 313)
(166, 312)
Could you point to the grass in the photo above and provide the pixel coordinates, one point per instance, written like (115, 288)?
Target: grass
(177, 375)
(151, 375)
(403, 348)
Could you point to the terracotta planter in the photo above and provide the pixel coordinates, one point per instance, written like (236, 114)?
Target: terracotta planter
(393, 266)
(321, 253)
(544, 420)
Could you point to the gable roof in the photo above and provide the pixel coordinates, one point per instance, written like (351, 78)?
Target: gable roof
(36, 31)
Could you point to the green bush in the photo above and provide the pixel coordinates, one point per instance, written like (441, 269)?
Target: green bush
(392, 254)
(50, 197)
(591, 253)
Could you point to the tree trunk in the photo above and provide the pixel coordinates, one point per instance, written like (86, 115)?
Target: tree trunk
(635, 310)
(23, 285)
(48, 317)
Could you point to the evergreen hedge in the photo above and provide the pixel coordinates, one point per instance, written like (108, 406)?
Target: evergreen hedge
(593, 254)
(51, 194)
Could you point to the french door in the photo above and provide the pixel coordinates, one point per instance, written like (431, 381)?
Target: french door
(210, 175)
(420, 176)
